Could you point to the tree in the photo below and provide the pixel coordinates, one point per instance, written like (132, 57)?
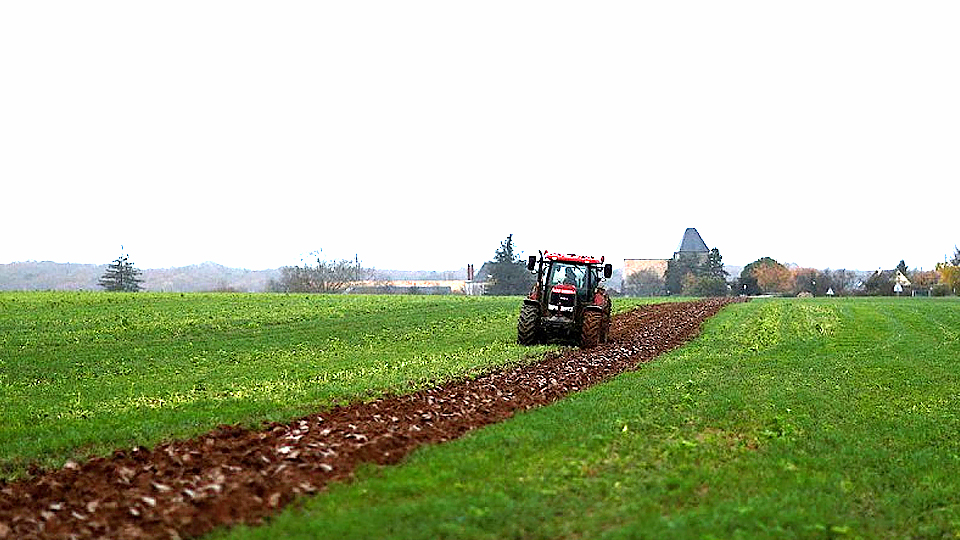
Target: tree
(747, 283)
(775, 278)
(766, 275)
(949, 277)
(880, 283)
(902, 267)
(121, 276)
(508, 274)
(673, 277)
(691, 274)
(842, 281)
(810, 280)
(644, 283)
(925, 280)
(681, 270)
(715, 265)
(956, 256)
(704, 286)
(327, 277)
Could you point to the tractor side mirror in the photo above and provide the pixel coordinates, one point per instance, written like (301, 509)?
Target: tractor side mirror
(607, 271)
(531, 262)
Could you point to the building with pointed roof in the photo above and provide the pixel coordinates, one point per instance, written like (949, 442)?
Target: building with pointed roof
(691, 244)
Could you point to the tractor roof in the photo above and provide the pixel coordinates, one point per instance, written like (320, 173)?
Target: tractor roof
(571, 258)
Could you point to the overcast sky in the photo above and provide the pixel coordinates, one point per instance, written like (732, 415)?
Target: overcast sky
(418, 135)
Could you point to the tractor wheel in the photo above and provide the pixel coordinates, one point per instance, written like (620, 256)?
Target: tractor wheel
(605, 333)
(527, 325)
(592, 327)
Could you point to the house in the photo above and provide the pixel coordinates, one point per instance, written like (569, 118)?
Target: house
(692, 244)
(887, 282)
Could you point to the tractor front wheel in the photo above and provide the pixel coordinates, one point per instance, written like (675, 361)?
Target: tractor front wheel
(592, 330)
(527, 325)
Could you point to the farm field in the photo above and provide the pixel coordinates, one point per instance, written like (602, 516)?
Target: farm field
(826, 418)
(85, 373)
(784, 419)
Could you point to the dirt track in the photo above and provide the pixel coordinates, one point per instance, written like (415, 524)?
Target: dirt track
(182, 489)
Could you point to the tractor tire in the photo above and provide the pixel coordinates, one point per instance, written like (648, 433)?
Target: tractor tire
(527, 325)
(592, 329)
(605, 332)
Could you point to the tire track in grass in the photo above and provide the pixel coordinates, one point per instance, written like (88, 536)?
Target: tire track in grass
(234, 475)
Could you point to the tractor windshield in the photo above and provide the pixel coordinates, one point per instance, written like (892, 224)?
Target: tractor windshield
(569, 274)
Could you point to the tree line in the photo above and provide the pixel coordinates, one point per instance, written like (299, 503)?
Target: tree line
(689, 275)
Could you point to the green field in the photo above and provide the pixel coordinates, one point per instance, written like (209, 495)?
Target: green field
(785, 419)
(825, 418)
(84, 373)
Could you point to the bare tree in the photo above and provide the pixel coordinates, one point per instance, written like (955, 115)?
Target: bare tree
(326, 277)
(842, 281)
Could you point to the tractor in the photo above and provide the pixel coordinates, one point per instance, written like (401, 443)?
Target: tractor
(568, 303)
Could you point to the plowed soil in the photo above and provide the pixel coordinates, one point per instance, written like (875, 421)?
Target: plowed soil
(182, 489)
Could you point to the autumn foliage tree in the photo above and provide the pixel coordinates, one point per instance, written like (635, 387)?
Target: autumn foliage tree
(949, 277)
(766, 275)
(925, 280)
(774, 278)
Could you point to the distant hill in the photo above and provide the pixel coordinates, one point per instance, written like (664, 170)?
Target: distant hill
(46, 275)
(208, 276)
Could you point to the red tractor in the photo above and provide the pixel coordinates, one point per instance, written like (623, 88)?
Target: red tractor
(568, 303)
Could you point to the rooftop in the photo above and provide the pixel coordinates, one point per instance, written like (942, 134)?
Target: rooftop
(692, 243)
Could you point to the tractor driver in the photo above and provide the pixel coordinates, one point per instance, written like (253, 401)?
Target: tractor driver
(571, 277)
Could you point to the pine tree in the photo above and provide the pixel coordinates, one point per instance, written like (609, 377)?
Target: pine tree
(508, 273)
(715, 265)
(121, 276)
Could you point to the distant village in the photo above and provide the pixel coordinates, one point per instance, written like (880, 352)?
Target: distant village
(697, 270)
(694, 269)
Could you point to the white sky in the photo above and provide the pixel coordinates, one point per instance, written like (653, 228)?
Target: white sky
(419, 134)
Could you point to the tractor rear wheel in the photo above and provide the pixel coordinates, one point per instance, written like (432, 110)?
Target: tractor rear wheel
(592, 329)
(527, 325)
(605, 332)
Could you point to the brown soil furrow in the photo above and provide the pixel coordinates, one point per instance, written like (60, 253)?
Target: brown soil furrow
(186, 488)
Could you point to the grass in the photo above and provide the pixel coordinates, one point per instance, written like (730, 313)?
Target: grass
(785, 419)
(85, 373)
